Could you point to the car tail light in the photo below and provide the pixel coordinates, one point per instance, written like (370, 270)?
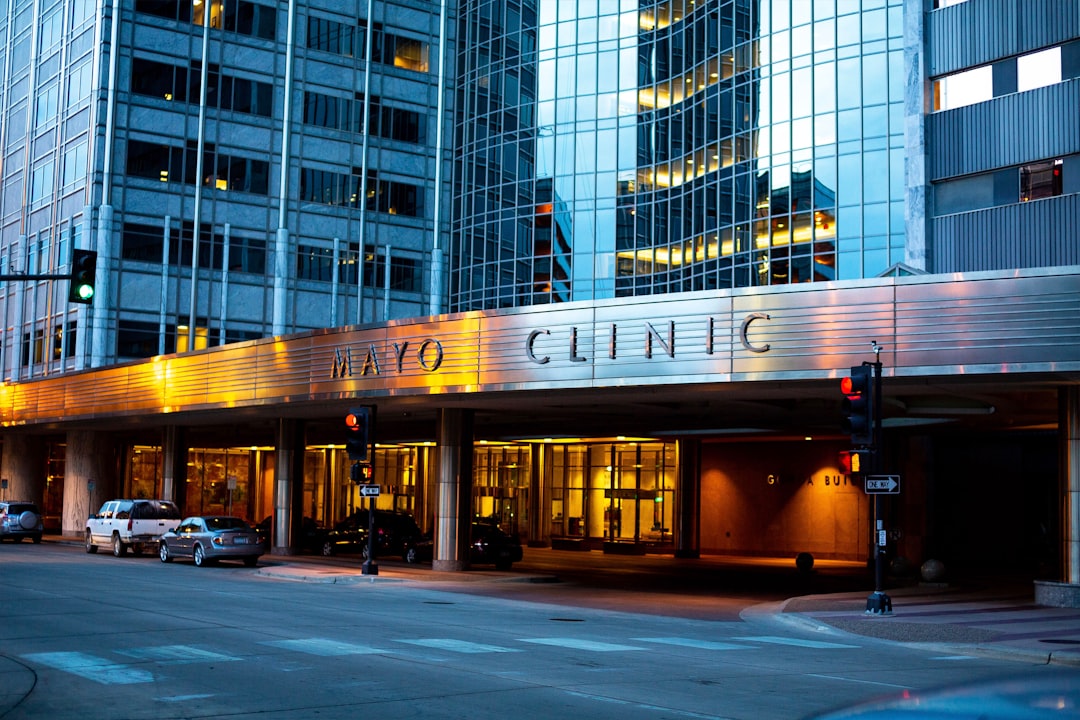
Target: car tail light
(131, 524)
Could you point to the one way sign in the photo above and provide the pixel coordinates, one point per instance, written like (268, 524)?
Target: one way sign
(883, 484)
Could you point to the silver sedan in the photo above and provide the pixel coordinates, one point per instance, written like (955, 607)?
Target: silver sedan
(207, 539)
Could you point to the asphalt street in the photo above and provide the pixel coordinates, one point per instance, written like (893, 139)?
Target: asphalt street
(103, 637)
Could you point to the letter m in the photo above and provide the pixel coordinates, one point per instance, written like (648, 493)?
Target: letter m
(342, 364)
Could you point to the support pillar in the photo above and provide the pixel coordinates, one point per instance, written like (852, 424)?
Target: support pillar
(174, 454)
(539, 505)
(453, 489)
(288, 487)
(91, 477)
(23, 466)
(688, 498)
(1067, 592)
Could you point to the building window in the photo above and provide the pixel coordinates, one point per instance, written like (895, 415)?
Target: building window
(1040, 180)
(332, 37)
(964, 88)
(1038, 69)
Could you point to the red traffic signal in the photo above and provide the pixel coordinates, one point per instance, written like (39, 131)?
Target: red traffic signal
(858, 404)
(358, 433)
(854, 462)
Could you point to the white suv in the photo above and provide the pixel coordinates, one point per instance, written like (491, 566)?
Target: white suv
(19, 520)
(134, 524)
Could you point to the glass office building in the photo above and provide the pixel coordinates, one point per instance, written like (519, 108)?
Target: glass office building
(613, 148)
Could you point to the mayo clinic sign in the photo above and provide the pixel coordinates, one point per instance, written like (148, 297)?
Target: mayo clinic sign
(992, 324)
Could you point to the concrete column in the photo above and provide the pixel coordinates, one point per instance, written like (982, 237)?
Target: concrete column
(23, 466)
(688, 499)
(1069, 430)
(174, 454)
(453, 489)
(91, 477)
(539, 511)
(288, 487)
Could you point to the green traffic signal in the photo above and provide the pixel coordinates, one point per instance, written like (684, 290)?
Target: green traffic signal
(83, 276)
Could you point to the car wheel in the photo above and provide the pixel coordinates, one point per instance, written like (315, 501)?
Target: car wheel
(37, 539)
(251, 561)
(90, 546)
(411, 556)
(118, 547)
(327, 548)
(199, 556)
(17, 538)
(28, 520)
(163, 553)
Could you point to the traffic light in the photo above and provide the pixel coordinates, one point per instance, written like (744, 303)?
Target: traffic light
(858, 404)
(83, 275)
(358, 433)
(360, 473)
(854, 462)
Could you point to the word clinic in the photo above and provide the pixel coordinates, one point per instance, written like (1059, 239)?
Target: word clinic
(428, 356)
(653, 340)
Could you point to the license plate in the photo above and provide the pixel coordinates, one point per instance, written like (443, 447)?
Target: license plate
(241, 540)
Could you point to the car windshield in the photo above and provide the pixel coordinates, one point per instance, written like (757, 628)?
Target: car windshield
(225, 523)
(17, 508)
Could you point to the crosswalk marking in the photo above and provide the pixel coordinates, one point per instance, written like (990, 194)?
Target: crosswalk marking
(693, 643)
(774, 640)
(578, 644)
(91, 667)
(461, 646)
(176, 654)
(323, 647)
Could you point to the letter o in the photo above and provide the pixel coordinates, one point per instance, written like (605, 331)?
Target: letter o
(421, 355)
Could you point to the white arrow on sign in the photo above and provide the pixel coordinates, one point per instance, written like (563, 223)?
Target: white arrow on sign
(369, 490)
(883, 484)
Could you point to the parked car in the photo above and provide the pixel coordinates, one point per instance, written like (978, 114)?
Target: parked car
(130, 524)
(487, 544)
(310, 540)
(395, 534)
(207, 539)
(20, 519)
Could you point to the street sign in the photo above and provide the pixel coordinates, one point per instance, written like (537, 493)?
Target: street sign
(883, 484)
(369, 490)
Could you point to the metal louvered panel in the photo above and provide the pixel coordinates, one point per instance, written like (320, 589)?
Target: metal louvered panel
(1006, 131)
(1041, 233)
(1015, 321)
(979, 32)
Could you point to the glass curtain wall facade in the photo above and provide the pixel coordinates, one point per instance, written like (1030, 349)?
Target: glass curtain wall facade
(242, 169)
(613, 147)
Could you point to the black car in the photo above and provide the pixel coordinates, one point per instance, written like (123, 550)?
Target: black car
(487, 544)
(309, 541)
(396, 533)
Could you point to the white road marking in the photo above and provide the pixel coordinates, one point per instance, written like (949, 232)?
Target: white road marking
(91, 667)
(817, 644)
(860, 682)
(183, 698)
(176, 654)
(578, 644)
(461, 646)
(692, 643)
(323, 647)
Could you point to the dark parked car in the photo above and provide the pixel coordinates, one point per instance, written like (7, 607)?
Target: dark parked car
(20, 520)
(310, 540)
(488, 544)
(396, 533)
(211, 538)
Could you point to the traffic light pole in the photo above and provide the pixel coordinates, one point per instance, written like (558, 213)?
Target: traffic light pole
(878, 603)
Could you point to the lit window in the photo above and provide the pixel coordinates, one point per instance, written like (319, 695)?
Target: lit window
(1038, 69)
(964, 88)
(1040, 180)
